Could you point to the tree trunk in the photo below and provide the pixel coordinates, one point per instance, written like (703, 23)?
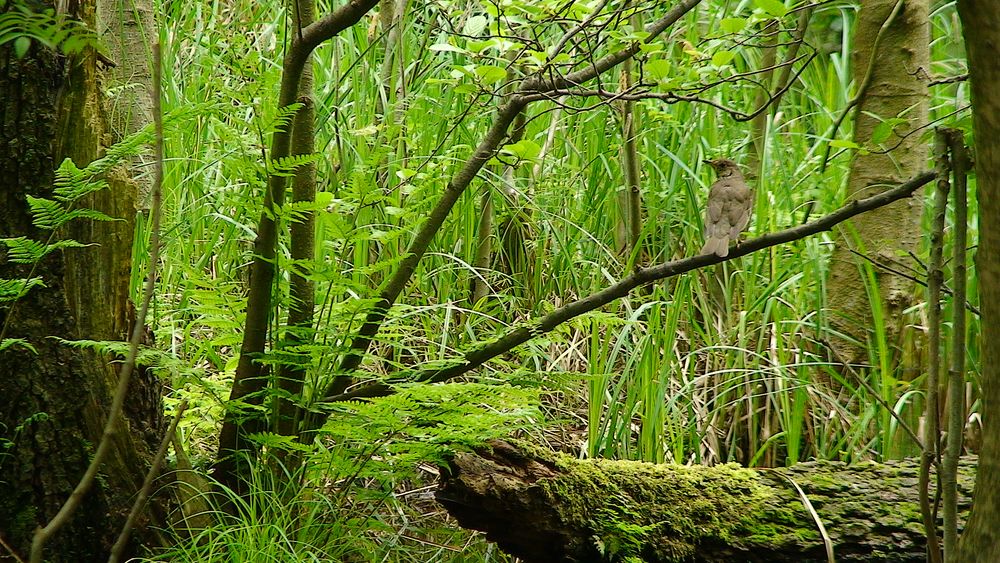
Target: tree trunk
(53, 403)
(125, 28)
(548, 507)
(897, 88)
(981, 24)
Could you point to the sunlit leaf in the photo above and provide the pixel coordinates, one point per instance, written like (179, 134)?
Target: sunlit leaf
(772, 7)
(722, 58)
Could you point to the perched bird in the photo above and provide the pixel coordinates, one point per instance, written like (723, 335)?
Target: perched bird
(728, 211)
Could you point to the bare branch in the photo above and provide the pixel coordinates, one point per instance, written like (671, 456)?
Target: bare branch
(949, 79)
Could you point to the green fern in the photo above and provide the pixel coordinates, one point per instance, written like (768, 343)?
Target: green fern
(429, 422)
(23, 250)
(71, 184)
(10, 343)
(12, 290)
(22, 25)
(288, 165)
(283, 118)
(50, 214)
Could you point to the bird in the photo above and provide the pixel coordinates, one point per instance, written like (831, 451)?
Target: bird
(728, 210)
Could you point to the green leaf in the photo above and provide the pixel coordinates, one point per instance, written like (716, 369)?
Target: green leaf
(478, 46)
(475, 25)
(722, 58)
(733, 25)
(489, 74)
(405, 173)
(324, 199)
(21, 46)
(844, 144)
(523, 149)
(884, 130)
(657, 69)
(775, 8)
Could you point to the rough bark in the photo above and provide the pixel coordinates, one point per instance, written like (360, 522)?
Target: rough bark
(550, 507)
(53, 403)
(897, 88)
(981, 24)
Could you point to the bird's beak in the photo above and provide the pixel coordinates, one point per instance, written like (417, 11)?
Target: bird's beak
(709, 162)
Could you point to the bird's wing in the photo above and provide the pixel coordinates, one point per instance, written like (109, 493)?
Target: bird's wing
(737, 210)
(715, 200)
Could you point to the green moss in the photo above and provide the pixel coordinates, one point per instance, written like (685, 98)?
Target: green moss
(658, 511)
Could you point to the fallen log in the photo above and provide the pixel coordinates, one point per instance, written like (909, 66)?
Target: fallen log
(546, 507)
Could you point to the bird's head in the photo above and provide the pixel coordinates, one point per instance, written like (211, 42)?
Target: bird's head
(723, 167)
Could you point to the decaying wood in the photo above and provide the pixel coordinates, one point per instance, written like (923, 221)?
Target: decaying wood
(544, 507)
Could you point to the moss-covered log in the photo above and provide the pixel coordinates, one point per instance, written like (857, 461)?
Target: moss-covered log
(544, 507)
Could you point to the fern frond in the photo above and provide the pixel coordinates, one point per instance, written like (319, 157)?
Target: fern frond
(51, 30)
(286, 166)
(47, 214)
(23, 250)
(17, 342)
(50, 215)
(12, 290)
(284, 117)
(92, 214)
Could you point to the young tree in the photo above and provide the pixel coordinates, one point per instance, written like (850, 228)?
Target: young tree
(981, 26)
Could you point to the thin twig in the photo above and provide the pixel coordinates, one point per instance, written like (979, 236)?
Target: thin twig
(956, 375)
(147, 486)
(10, 551)
(949, 79)
(944, 287)
(932, 437)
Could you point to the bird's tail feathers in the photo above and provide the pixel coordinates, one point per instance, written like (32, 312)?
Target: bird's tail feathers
(718, 246)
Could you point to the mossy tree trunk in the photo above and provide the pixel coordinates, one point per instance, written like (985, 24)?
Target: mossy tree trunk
(981, 23)
(53, 402)
(547, 507)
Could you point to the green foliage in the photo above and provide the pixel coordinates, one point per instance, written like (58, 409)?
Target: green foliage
(667, 375)
(71, 185)
(22, 250)
(278, 520)
(428, 422)
(12, 290)
(22, 24)
(51, 215)
(288, 165)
